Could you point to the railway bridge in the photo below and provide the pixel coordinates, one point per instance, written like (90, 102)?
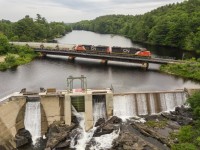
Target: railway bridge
(67, 50)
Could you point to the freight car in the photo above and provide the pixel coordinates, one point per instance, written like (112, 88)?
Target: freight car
(122, 51)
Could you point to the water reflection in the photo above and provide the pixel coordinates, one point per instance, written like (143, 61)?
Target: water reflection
(53, 71)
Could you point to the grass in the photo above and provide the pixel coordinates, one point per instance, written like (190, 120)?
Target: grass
(158, 124)
(189, 69)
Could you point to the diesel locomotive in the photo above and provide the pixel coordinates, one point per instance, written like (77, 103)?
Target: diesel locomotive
(100, 49)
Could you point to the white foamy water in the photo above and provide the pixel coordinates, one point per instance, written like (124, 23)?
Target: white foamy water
(105, 141)
(152, 104)
(32, 120)
(99, 111)
(130, 105)
(102, 142)
(124, 106)
(84, 136)
(142, 104)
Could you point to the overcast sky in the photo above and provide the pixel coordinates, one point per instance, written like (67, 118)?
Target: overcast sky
(75, 10)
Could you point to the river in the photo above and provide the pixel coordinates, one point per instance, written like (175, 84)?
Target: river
(52, 71)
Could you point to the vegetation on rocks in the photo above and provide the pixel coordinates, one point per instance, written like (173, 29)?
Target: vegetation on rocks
(158, 124)
(189, 136)
(175, 25)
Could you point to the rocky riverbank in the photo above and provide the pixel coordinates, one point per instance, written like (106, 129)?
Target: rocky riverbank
(154, 134)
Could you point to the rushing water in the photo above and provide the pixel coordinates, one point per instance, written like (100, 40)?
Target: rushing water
(83, 138)
(53, 71)
(32, 120)
(129, 105)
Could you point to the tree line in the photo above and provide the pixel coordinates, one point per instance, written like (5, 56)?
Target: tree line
(30, 29)
(175, 25)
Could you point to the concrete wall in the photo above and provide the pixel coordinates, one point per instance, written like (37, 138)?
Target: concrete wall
(88, 109)
(11, 119)
(109, 104)
(52, 109)
(88, 112)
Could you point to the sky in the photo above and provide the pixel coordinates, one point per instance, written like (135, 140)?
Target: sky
(75, 10)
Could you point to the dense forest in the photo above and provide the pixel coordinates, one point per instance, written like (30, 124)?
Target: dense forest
(175, 25)
(26, 29)
(30, 29)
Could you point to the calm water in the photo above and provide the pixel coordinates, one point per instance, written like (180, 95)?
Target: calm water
(53, 71)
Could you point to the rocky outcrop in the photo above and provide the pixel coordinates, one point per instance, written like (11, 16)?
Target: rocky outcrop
(107, 127)
(23, 137)
(181, 115)
(129, 141)
(58, 135)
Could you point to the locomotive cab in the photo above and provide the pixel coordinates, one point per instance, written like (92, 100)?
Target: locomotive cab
(143, 53)
(80, 48)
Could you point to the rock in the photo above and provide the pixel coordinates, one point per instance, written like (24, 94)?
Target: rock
(107, 127)
(99, 122)
(129, 141)
(151, 133)
(57, 135)
(23, 137)
(115, 120)
(75, 120)
(63, 144)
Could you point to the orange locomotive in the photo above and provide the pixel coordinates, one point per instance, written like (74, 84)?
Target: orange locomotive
(128, 51)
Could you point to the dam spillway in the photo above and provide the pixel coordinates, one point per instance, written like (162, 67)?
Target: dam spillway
(55, 105)
(136, 104)
(32, 120)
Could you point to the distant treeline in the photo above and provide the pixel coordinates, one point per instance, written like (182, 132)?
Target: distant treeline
(29, 29)
(175, 25)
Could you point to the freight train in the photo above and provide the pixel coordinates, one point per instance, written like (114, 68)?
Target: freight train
(122, 51)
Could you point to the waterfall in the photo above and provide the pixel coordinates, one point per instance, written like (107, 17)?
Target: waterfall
(170, 100)
(124, 106)
(84, 137)
(105, 141)
(32, 120)
(152, 104)
(142, 104)
(130, 105)
(99, 108)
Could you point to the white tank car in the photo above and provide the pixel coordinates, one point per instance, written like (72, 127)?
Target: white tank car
(66, 46)
(47, 46)
(30, 44)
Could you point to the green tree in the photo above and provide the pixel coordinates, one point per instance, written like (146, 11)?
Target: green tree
(4, 44)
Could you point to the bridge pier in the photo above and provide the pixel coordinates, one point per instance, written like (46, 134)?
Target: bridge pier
(44, 54)
(103, 61)
(72, 58)
(145, 66)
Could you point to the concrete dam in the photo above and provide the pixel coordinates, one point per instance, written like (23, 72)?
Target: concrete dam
(36, 111)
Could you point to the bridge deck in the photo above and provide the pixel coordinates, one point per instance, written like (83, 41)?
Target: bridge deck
(111, 57)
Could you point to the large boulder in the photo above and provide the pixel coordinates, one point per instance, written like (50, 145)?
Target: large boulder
(108, 126)
(99, 122)
(129, 141)
(23, 137)
(58, 134)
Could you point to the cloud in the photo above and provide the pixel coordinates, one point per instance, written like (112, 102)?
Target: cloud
(75, 10)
